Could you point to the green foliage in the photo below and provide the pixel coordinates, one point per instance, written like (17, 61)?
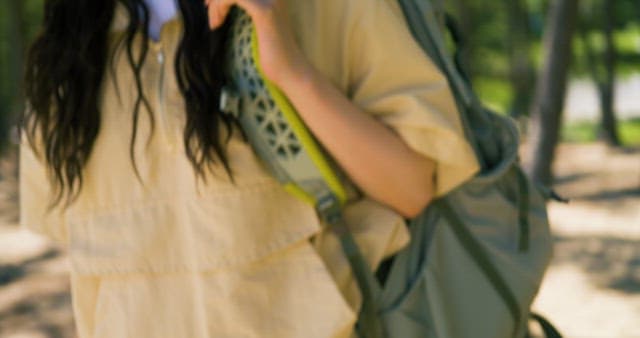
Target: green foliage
(486, 39)
(630, 132)
(579, 132)
(28, 21)
(588, 131)
(19, 20)
(627, 41)
(494, 92)
(33, 16)
(486, 36)
(626, 36)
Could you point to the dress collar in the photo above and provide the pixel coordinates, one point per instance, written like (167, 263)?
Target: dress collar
(121, 19)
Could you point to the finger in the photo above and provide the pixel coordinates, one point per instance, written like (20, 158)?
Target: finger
(218, 10)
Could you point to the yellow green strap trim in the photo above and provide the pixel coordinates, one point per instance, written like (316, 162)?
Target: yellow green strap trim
(300, 131)
(298, 192)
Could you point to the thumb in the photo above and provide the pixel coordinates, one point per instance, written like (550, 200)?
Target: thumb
(218, 11)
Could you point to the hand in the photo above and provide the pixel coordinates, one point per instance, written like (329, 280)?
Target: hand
(280, 56)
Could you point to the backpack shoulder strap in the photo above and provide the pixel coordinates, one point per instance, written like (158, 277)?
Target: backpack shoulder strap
(425, 19)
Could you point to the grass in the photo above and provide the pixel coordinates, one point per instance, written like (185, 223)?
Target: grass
(629, 131)
(495, 93)
(628, 40)
(493, 86)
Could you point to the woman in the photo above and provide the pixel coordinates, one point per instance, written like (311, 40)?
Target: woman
(173, 226)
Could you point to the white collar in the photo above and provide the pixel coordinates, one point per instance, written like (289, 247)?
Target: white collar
(121, 18)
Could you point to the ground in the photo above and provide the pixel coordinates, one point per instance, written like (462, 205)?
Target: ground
(592, 288)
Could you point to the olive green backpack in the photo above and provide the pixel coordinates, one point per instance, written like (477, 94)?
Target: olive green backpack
(477, 255)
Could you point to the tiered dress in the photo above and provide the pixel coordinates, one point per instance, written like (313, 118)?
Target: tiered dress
(177, 258)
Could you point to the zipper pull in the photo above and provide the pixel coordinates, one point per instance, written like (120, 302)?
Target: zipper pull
(554, 195)
(160, 57)
(229, 102)
(549, 193)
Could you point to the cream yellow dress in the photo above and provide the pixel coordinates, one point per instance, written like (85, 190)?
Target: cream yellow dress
(177, 258)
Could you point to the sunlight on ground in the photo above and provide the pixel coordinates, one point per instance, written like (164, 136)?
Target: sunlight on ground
(580, 309)
(592, 288)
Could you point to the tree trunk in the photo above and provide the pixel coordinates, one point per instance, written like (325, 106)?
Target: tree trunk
(551, 89)
(16, 54)
(602, 65)
(16, 42)
(521, 70)
(608, 128)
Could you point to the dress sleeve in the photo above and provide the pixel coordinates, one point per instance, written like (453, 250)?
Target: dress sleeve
(35, 194)
(393, 79)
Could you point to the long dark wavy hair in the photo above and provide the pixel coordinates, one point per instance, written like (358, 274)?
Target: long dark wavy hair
(65, 69)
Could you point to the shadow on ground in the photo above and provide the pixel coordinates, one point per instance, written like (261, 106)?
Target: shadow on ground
(47, 315)
(10, 273)
(608, 195)
(34, 297)
(611, 263)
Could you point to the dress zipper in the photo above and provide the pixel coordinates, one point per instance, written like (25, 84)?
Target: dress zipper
(164, 128)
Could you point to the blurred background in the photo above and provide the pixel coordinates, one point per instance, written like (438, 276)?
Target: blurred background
(567, 70)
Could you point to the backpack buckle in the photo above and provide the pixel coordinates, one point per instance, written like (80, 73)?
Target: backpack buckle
(229, 102)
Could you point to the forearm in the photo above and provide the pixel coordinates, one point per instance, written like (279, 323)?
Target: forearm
(375, 158)
(373, 155)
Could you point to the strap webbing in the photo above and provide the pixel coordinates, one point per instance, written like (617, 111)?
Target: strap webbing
(423, 24)
(549, 330)
(523, 208)
(369, 321)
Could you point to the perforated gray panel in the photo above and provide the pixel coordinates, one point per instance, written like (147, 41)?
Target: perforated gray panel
(269, 118)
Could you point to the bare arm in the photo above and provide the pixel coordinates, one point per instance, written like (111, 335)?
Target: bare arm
(373, 155)
(382, 165)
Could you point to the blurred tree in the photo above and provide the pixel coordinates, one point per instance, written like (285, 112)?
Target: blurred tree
(4, 62)
(521, 70)
(15, 28)
(601, 15)
(551, 88)
(464, 14)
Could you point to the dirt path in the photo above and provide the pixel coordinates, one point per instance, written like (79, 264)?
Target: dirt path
(34, 288)
(593, 286)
